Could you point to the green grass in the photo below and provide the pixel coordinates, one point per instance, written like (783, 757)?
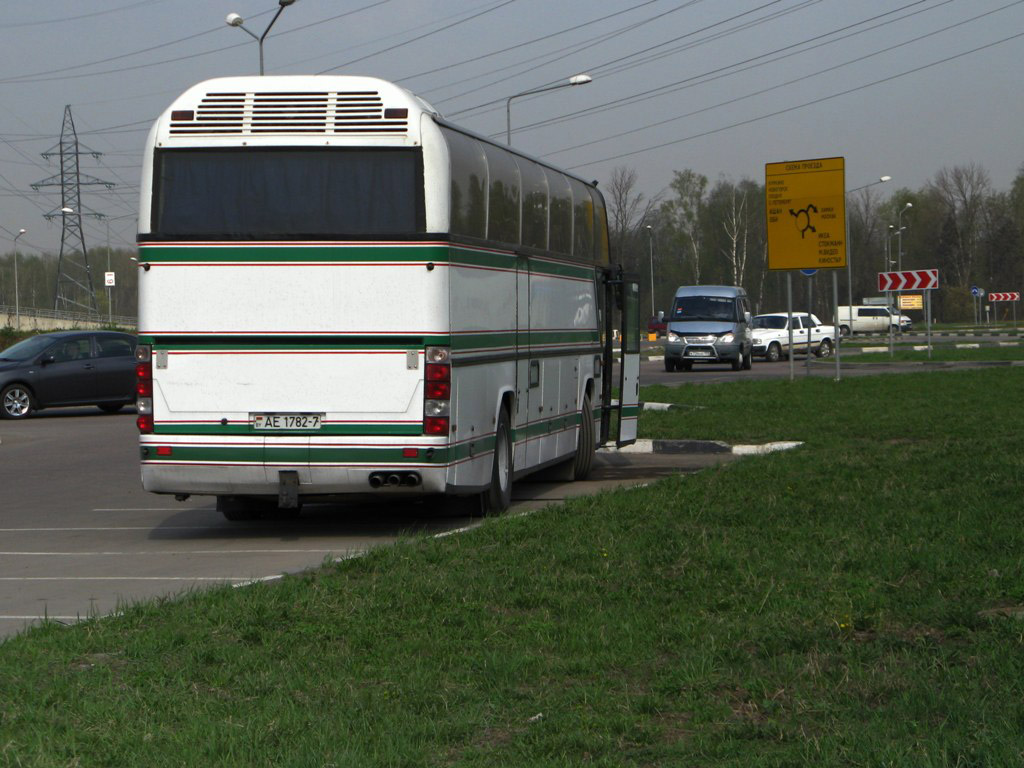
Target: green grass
(836, 605)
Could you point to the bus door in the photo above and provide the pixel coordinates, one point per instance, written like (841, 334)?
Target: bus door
(622, 297)
(525, 450)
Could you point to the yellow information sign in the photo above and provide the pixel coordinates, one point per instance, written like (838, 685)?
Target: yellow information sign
(805, 203)
(911, 301)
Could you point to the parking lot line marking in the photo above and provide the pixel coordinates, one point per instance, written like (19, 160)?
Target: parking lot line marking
(110, 528)
(144, 509)
(40, 618)
(223, 579)
(176, 552)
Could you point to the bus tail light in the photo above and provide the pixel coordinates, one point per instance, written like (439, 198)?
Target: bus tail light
(144, 388)
(437, 391)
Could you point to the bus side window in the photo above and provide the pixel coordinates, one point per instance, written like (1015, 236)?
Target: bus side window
(583, 221)
(535, 206)
(503, 196)
(560, 237)
(601, 226)
(469, 185)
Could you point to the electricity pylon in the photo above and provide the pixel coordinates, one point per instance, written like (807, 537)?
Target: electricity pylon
(74, 289)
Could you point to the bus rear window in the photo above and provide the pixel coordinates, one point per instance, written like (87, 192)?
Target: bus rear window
(245, 193)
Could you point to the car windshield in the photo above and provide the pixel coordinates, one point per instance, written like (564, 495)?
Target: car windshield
(27, 349)
(704, 308)
(772, 322)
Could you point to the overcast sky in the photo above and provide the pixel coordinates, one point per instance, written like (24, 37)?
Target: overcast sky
(896, 87)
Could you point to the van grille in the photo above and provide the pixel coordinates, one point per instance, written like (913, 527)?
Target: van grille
(261, 114)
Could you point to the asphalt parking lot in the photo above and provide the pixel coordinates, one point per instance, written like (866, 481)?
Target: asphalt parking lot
(80, 537)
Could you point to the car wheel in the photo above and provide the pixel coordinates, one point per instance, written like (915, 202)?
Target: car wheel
(687, 365)
(773, 353)
(670, 364)
(498, 497)
(748, 361)
(16, 402)
(111, 407)
(844, 330)
(737, 362)
(824, 349)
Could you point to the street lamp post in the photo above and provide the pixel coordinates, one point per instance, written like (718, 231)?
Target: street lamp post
(17, 305)
(849, 245)
(650, 238)
(234, 20)
(899, 242)
(574, 80)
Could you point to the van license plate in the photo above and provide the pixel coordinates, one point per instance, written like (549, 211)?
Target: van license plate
(698, 353)
(284, 422)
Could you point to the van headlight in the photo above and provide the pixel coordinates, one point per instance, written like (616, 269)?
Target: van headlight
(726, 338)
(672, 336)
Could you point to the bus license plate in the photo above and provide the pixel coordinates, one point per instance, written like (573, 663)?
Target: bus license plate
(283, 422)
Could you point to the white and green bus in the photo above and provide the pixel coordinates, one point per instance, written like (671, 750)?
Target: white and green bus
(343, 294)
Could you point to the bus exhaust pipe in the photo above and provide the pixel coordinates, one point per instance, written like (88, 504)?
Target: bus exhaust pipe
(395, 479)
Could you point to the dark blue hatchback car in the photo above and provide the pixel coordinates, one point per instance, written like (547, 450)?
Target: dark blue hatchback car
(67, 368)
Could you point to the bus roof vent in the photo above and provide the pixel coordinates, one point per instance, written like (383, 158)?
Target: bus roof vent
(263, 114)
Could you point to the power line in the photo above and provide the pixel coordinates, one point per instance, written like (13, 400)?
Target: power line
(778, 112)
(80, 16)
(738, 67)
(706, 28)
(419, 37)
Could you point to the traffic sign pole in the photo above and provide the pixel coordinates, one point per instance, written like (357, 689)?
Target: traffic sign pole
(835, 321)
(928, 320)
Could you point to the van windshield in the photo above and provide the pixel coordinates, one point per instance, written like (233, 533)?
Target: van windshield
(721, 308)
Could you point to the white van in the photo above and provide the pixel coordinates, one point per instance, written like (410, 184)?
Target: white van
(870, 319)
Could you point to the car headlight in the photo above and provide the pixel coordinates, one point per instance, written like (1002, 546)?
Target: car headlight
(673, 336)
(726, 338)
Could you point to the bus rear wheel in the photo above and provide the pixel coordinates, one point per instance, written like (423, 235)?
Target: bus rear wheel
(498, 497)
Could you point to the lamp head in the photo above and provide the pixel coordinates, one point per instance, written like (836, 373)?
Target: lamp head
(885, 178)
(575, 79)
(285, 3)
(908, 206)
(234, 20)
(22, 231)
(65, 209)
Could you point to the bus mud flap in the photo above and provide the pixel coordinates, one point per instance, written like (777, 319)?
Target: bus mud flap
(288, 489)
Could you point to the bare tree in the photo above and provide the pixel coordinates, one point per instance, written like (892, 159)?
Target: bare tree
(683, 214)
(628, 209)
(735, 225)
(963, 192)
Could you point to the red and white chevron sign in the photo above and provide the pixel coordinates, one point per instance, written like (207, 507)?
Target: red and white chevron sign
(911, 280)
(1012, 296)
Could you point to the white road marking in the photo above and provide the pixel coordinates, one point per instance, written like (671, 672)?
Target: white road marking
(41, 618)
(176, 552)
(112, 528)
(125, 578)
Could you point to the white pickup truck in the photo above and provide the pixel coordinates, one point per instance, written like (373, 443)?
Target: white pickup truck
(771, 335)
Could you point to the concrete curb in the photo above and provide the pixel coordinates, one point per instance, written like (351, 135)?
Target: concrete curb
(701, 446)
